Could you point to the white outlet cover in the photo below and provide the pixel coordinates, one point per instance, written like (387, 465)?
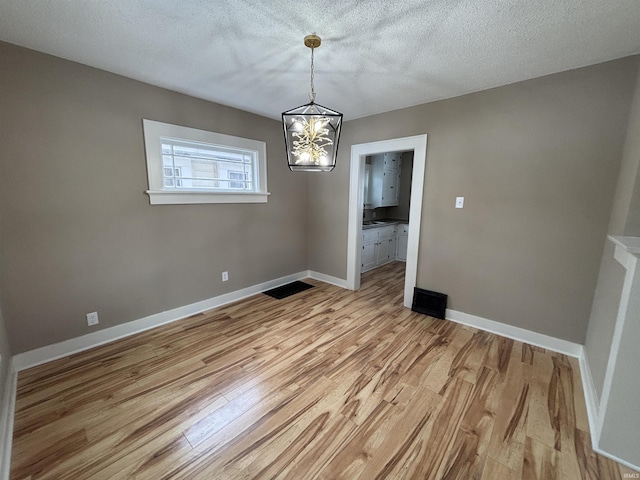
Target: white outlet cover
(92, 318)
(459, 202)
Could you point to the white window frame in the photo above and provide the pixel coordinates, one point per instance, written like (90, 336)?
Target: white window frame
(159, 195)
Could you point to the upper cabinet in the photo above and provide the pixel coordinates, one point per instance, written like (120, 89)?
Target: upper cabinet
(384, 184)
(367, 186)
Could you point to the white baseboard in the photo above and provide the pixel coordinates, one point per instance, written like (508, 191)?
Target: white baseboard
(590, 397)
(338, 282)
(6, 421)
(516, 333)
(596, 448)
(38, 356)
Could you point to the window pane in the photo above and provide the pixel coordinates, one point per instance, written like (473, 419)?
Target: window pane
(207, 166)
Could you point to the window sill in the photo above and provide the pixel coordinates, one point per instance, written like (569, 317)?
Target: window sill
(195, 197)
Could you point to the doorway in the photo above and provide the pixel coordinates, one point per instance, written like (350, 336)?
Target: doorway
(359, 152)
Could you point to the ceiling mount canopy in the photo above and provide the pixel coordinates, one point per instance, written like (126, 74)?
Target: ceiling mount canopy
(312, 131)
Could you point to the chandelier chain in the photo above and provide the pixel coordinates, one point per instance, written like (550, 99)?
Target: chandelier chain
(312, 95)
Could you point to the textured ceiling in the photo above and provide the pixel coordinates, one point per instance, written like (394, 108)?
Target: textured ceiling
(376, 55)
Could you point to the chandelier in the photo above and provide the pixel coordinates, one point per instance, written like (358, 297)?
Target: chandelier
(311, 131)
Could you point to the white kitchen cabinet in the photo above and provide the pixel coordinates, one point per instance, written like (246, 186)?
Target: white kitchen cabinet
(369, 255)
(367, 186)
(384, 184)
(369, 251)
(378, 246)
(392, 160)
(382, 255)
(401, 243)
(392, 248)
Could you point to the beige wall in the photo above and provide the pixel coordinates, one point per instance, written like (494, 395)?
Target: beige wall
(631, 160)
(77, 233)
(537, 162)
(625, 214)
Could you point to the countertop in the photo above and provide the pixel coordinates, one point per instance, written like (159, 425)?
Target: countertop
(381, 223)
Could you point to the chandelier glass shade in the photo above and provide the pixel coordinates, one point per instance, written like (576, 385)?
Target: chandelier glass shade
(312, 131)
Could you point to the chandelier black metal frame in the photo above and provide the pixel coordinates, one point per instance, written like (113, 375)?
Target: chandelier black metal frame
(311, 131)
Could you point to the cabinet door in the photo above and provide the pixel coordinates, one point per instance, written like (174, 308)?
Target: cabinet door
(401, 248)
(392, 161)
(397, 188)
(392, 248)
(370, 235)
(389, 189)
(367, 185)
(368, 257)
(383, 252)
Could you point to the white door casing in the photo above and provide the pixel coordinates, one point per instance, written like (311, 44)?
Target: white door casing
(418, 144)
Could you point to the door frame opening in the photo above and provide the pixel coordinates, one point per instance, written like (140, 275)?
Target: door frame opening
(417, 143)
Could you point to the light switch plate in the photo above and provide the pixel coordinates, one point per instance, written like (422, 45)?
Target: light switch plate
(459, 202)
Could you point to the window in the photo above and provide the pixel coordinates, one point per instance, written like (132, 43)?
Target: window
(186, 165)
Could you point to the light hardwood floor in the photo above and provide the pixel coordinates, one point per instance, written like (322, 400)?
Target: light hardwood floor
(326, 384)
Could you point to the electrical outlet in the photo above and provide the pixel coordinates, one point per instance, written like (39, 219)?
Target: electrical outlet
(225, 276)
(459, 202)
(92, 318)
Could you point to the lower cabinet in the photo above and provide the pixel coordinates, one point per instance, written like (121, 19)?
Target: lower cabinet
(401, 243)
(369, 255)
(386, 250)
(378, 246)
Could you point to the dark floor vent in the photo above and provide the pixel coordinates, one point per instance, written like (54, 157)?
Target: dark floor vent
(287, 290)
(430, 303)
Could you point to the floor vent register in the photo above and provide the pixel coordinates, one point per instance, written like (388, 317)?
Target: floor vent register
(287, 290)
(430, 303)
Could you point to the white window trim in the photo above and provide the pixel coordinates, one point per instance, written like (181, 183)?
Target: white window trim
(158, 195)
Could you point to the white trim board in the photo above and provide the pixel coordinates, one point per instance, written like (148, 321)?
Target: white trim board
(417, 143)
(38, 356)
(516, 333)
(6, 421)
(625, 309)
(593, 408)
(591, 398)
(338, 282)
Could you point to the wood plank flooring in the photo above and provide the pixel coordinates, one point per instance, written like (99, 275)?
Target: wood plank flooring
(326, 384)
